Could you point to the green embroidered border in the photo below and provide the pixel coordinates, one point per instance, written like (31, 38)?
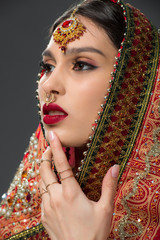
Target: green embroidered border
(28, 233)
(144, 104)
(153, 73)
(98, 136)
(89, 160)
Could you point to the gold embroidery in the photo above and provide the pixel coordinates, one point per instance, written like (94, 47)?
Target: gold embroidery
(28, 233)
(154, 152)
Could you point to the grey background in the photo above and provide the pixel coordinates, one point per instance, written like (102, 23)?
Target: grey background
(23, 36)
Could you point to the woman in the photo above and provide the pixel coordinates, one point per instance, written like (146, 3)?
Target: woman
(106, 63)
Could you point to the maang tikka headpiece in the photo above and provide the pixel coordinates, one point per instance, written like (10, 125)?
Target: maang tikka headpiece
(70, 30)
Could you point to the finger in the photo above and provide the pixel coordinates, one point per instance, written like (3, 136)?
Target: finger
(109, 187)
(46, 211)
(60, 160)
(42, 210)
(47, 175)
(43, 192)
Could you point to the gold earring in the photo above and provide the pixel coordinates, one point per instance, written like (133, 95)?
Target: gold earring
(49, 98)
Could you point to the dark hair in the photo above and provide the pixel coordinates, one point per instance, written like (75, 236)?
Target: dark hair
(103, 13)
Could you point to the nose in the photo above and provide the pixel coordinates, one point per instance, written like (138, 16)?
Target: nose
(54, 83)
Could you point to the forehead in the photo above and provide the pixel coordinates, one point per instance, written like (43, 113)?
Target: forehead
(94, 36)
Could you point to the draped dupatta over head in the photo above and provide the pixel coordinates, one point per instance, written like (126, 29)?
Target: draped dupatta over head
(126, 132)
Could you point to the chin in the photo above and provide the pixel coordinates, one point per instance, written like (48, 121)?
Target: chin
(67, 139)
(71, 142)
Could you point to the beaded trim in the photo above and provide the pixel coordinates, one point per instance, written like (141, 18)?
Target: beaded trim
(31, 232)
(23, 188)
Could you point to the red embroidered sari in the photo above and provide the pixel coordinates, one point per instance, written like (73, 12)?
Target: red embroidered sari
(127, 133)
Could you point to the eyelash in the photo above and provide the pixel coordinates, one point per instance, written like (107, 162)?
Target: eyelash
(46, 68)
(83, 64)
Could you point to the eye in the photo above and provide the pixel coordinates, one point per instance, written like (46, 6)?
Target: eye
(46, 68)
(83, 66)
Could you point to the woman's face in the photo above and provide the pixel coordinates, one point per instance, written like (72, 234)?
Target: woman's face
(80, 79)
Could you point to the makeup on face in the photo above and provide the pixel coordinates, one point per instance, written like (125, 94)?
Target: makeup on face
(53, 114)
(79, 79)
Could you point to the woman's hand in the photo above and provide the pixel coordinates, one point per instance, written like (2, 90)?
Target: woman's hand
(67, 214)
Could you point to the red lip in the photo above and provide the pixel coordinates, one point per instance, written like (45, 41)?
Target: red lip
(53, 119)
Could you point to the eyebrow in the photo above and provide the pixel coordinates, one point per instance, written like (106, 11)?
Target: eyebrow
(72, 51)
(47, 53)
(84, 49)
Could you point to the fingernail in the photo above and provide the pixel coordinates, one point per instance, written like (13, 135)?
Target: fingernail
(115, 171)
(51, 135)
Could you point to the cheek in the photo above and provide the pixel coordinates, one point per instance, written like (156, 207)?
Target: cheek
(87, 99)
(92, 95)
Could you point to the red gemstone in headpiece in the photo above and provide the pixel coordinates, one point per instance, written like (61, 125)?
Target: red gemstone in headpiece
(67, 24)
